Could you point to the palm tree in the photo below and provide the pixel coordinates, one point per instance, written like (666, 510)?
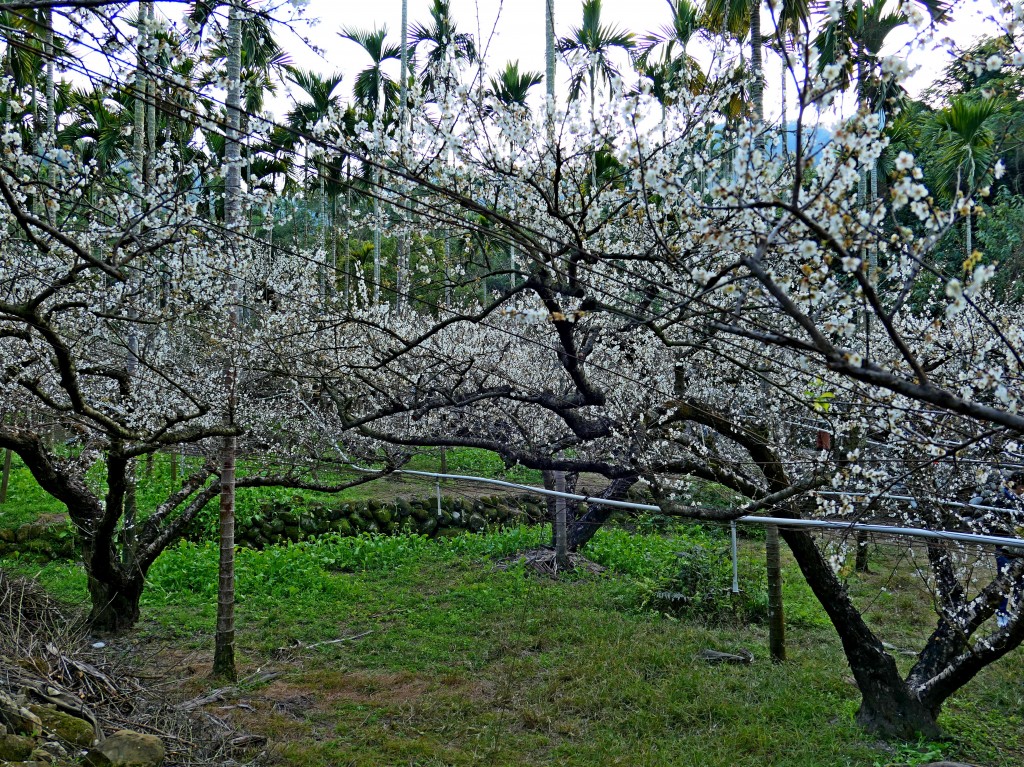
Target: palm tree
(791, 23)
(98, 128)
(741, 19)
(590, 44)
(322, 100)
(374, 90)
(856, 41)
(224, 645)
(511, 87)
(549, 54)
(670, 73)
(685, 23)
(140, 89)
(444, 43)
(377, 95)
(964, 148)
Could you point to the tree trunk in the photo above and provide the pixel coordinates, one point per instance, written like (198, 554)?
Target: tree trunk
(784, 45)
(51, 99)
(861, 561)
(549, 69)
(6, 477)
(139, 119)
(887, 708)
(561, 549)
(150, 105)
(593, 125)
(224, 645)
(969, 234)
(549, 50)
(115, 603)
(582, 529)
(401, 246)
(756, 70)
(776, 615)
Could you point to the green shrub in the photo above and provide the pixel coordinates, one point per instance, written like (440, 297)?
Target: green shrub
(688, 574)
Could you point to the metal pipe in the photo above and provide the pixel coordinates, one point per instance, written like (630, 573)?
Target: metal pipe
(911, 498)
(944, 535)
(735, 561)
(996, 540)
(530, 488)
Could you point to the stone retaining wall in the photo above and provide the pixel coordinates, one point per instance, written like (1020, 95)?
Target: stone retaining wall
(52, 536)
(279, 522)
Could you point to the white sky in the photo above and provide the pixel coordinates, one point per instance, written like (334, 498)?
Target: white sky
(514, 30)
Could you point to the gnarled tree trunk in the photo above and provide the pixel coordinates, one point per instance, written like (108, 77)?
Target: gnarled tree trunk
(887, 708)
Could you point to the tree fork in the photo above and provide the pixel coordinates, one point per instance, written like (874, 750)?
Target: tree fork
(887, 708)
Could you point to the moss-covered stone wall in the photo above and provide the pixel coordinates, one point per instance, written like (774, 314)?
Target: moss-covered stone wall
(280, 522)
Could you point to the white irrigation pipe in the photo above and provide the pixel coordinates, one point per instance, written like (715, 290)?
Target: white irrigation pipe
(532, 489)
(911, 499)
(914, 532)
(735, 558)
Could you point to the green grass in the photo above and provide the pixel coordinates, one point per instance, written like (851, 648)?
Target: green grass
(26, 500)
(450, 660)
(475, 462)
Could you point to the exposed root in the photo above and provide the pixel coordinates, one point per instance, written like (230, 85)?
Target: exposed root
(542, 561)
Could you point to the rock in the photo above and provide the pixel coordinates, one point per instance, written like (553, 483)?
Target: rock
(714, 656)
(342, 527)
(17, 718)
(41, 755)
(476, 523)
(127, 749)
(15, 748)
(70, 729)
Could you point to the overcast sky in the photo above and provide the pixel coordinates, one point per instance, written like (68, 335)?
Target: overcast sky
(508, 30)
(514, 30)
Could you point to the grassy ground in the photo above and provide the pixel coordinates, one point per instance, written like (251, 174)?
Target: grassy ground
(450, 658)
(26, 500)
